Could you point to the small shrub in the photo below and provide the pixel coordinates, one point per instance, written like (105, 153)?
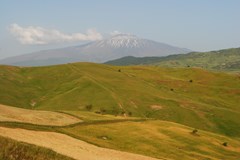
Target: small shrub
(98, 112)
(225, 144)
(119, 70)
(190, 80)
(89, 107)
(103, 111)
(130, 113)
(195, 131)
(172, 89)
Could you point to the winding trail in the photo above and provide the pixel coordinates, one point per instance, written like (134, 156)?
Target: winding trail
(68, 146)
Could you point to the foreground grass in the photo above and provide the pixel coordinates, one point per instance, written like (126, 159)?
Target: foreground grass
(13, 150)
(158, 139)
(154, 138)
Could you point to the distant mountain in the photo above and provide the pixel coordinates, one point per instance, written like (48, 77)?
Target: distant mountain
(99, 51)
(228, 59)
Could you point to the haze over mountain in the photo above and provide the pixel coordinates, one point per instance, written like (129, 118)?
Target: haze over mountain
(117, 46)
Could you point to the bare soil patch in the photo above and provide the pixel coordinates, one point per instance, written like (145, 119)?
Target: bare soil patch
(156, 107)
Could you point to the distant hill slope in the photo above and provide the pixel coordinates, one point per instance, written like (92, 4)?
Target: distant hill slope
(100, 51)
(228, 59)
(189, 96)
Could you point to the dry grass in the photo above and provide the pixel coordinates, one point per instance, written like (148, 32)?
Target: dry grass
(12, 114)
(68, 146)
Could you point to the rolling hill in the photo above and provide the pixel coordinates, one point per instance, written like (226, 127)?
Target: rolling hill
(226, 60)
(99, 51)
(189, 96)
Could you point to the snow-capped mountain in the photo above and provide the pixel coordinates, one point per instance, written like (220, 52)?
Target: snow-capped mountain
(99, 51)
(123, 41)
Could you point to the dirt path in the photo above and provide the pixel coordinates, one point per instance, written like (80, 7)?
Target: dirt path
(13, 114)
(68, 146)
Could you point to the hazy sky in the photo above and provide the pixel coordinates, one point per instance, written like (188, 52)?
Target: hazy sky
(201, 25)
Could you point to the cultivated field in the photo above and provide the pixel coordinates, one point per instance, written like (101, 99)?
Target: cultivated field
(160, 139)
(68, 146)
(13, 114)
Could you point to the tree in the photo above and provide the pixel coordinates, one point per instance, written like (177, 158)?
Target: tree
(89, 107)
(102, 110)
(130, 113)
(194, 131)
(225, 144)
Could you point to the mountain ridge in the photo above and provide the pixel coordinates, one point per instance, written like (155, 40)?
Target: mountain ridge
(99, 51)
(226, 59)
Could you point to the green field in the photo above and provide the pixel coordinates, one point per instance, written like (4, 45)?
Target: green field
(204, 103)
(148, 110)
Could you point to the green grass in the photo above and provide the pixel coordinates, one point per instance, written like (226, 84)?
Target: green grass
(205, 103)
(158, 139)
(223, 60)
(14, 150)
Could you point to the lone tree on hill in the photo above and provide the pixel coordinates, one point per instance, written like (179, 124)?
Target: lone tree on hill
(225, 144)
(103, 111)
(89, 107)
(195, 131)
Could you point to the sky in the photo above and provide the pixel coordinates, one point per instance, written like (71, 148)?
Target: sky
(29, 25)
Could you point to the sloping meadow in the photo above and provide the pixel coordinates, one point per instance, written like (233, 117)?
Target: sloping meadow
(190, 96)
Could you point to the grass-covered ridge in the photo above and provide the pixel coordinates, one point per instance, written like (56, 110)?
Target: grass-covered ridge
(189, 96)
(222, 60)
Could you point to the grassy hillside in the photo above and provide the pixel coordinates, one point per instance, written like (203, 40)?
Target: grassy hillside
(224, 60)
(13, 150)
(189, 96)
